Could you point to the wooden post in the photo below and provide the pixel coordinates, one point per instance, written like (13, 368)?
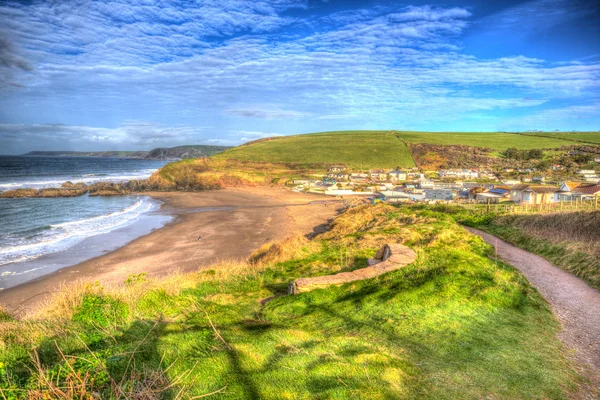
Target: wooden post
(596, 201)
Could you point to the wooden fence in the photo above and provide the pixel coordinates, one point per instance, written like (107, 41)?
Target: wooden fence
(563, 206)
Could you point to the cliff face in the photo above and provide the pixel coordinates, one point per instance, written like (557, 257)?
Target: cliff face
(181, 152)
(174, 153)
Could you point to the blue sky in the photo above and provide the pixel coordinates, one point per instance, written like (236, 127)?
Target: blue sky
(138, 74)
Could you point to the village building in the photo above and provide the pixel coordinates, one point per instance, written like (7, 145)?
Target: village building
(538, 179)
(511, 182)
(565, 191)
(397, 175)
(585, 172)
(338, 176)
(426, 184)
(495, 195)
(394, 196)
(337, 168)
(516, 192)
(378, 174)
(415, 175)
(448, 185)
(589, 192)
(459, 173)
(439, 194)
(570, 191)
(538, 194)
(359, 177)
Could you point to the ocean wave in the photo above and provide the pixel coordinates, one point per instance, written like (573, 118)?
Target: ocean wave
(62, 236)
(87, 179)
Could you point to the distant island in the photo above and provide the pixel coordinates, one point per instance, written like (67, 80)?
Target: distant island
(160, 153)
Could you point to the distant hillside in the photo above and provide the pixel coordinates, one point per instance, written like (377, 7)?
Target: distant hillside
(357, 149)
(182, 152)
(379, 149)
(173, 153)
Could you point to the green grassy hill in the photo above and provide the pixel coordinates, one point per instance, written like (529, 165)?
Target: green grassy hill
(376, 149)
(492, 140)
(587, 137)
(358, 149)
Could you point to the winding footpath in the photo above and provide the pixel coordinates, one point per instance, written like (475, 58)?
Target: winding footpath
(574, 302)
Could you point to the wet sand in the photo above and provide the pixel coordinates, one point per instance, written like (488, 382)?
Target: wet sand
(230, 223)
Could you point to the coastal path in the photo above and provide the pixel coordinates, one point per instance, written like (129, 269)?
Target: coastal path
(574, 303)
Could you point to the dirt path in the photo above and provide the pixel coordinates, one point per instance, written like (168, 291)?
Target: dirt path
(574, 302)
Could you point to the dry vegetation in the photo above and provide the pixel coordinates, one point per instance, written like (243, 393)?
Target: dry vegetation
(569, 240)
(213, 173)
(431, 157)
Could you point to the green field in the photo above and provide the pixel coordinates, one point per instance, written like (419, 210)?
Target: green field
(380, 149)
(589, 137)
(358, 149)
(493, 140)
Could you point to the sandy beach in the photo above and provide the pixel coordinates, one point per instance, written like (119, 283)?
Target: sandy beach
(208, 226)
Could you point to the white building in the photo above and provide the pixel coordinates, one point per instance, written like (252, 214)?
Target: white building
(459, 173)
(397, 175)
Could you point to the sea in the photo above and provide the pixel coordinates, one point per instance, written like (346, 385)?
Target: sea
(41, 235)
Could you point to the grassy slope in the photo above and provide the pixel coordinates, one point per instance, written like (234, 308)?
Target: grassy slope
(492, 140)
(358, 149)
(373, 149)
(454, 325)
(589, 137)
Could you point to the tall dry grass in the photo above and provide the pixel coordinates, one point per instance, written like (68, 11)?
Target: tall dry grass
(576, 227)
(289, 248)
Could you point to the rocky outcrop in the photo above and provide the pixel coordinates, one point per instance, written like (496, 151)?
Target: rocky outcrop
(108, 189)
(17, 193)
(389, 258)
(68, 191)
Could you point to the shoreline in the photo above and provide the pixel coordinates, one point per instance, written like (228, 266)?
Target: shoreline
(90, 247)
(231, 224)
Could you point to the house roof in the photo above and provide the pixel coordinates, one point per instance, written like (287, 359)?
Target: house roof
(491, 194)
(591, 189)
(543, 189)
(520, 187)
(571, 185)
(499, 191)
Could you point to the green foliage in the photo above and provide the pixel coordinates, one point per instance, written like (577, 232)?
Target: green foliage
(523, 155)
(100, 310)
(135, 279)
